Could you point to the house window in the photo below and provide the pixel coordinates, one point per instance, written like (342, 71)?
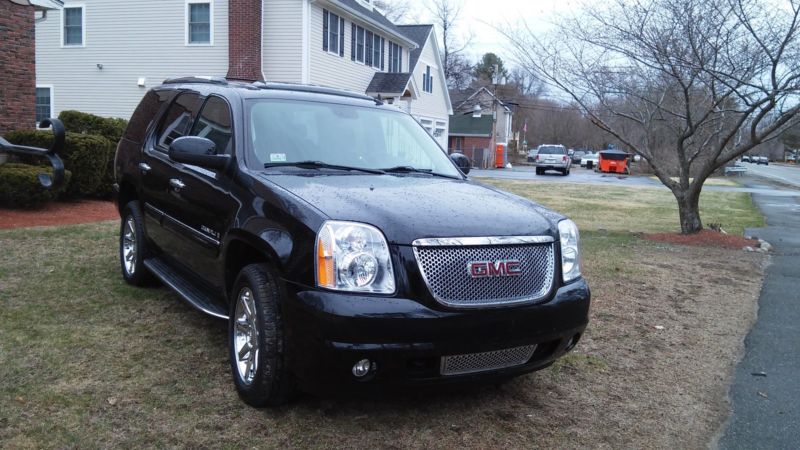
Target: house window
(395, 57)
(367, 47)
(44, 103)
(440, 129)
(427, 80)
(73, 26)
(198, 23)
(377, 52)
(358, 38)
(332, 33)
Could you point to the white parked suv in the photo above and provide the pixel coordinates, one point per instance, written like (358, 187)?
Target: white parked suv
(552, 157)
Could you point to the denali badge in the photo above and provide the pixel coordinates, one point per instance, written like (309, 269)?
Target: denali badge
(502, 268)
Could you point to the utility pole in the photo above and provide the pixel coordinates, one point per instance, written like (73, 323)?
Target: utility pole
(495, 81)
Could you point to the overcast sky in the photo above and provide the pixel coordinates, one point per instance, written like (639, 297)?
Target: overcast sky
(480, 17)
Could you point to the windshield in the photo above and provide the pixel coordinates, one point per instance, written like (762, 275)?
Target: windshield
(552, 150)
(290, 131)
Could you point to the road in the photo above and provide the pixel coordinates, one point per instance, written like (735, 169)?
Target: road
(765, 391)
(786, 174)
(752, 181)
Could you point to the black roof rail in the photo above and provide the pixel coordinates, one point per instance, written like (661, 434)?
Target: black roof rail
(312, 89)
(197, 79)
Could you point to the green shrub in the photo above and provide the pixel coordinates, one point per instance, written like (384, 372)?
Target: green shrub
(20, 187)
(85, 123)
(90, 158)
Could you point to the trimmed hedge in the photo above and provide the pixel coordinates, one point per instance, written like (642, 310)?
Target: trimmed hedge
(20, 188)
(90, 159)
(85, 123)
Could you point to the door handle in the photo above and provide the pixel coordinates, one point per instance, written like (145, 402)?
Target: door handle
(144, 168)
(176, 184)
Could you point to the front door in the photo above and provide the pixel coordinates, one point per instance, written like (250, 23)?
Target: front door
(205, 206)
(159, 197)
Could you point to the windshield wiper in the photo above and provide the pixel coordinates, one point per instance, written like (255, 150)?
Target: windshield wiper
(321, 165)
(410, 169)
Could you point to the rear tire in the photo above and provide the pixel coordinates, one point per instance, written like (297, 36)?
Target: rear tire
(133, 246)
(256, 340)
(539, 171)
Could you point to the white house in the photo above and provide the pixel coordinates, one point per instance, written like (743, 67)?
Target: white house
(100, 56)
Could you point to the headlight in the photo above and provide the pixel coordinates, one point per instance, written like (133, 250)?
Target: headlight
(570, 251)
(353, 257)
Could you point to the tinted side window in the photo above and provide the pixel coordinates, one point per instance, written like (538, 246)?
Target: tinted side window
(144, 114)
(178, 119)
(215, 124)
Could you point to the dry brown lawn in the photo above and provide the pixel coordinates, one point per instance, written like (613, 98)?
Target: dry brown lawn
(87, 361)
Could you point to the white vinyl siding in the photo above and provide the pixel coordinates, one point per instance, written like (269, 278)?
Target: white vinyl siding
(430, 107)
(325, 69)
(282, 41)
(149, 43)
(199, 23)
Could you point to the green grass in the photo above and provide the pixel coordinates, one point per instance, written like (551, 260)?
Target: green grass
(635, 209)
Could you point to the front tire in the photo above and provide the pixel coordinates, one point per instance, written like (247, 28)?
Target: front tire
(255, 337)
(133, 246)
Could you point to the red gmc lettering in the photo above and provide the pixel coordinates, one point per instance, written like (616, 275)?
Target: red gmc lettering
(502, 268)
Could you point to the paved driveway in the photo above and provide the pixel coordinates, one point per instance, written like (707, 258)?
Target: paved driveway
(766, 390)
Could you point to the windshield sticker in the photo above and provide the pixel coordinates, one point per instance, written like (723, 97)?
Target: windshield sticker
(277, 157)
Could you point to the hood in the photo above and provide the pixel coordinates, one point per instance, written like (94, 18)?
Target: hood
(412, 207)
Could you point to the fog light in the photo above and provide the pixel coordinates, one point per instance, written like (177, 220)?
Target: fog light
(361, 368)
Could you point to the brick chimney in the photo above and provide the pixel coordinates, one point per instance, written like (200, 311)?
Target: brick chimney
(244, 40)
(18, 77)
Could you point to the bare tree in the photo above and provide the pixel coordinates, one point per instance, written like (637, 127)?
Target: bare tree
(688, 84)
(398, 11)
(446, 14)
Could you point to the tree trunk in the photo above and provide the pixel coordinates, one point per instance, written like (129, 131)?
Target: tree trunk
(689, 210)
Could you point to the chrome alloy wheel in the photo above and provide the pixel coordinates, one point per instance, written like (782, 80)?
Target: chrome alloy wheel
(129, 246)
(245, 336)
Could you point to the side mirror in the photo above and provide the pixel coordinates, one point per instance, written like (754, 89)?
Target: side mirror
(197, 151)
(461, 161)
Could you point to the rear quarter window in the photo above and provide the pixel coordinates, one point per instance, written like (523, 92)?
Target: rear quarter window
(144, 115)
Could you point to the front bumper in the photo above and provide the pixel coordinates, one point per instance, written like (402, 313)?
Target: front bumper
(327, 333)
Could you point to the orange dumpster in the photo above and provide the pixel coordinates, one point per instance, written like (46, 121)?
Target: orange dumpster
(614, 161)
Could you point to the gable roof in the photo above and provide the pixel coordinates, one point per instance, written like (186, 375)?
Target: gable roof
(418, 34)
(466, 125)
(375, 18)
(470, 99)
(389, 83)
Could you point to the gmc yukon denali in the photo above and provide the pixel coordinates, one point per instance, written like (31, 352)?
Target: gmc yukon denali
(345, 249)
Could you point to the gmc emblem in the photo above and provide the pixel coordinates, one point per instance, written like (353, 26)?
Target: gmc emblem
(502, 268)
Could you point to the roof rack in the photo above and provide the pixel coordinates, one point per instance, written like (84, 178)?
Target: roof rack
(311, 88)
(196, 79)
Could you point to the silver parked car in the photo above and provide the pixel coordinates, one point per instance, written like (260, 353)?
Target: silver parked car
(552, 157)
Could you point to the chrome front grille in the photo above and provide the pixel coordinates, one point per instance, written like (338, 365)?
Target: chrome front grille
(444, 264)
(480, 362)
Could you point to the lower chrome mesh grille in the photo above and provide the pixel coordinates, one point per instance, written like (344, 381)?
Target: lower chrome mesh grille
(480, 362)
(447, 274)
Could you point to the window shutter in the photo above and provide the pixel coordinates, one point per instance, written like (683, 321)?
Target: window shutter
(341, 37)
(324, 30)
(368, 48)
(430, 84)
(383, 42)
(352, 42)
(400, 51)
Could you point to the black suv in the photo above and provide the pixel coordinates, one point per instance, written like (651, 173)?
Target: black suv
(339, 241)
